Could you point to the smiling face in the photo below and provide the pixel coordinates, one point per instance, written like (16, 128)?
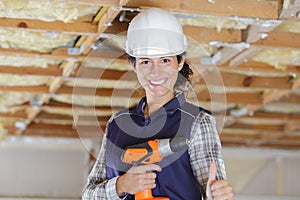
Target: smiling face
(158, 76)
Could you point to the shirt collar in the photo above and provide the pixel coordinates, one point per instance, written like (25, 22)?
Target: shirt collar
(170, 107)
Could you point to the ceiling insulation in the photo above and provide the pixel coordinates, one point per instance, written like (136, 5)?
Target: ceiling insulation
(279, 58)
(34, 41)
(45, 10)
(21, 61)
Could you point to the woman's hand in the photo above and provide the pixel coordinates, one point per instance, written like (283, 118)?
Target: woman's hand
(137, 178)
(217, 190)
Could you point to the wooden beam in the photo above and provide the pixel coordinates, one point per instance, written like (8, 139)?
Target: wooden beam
(260, 127)
(290, 98)
(268, 115)
(78, 27)
(248, 81)
(97, 2)
(108, 74)
(231, 97)
(104, 18)
(228, 53)
(290, 10)
(258, 30)
(258, 140)
(280, 39)
(33, 89)
(253, 67)
(59, 54)
(18, 114)
(31, 70)
(259, 9)
(205, 35)
(244, 55)
(104, 92)
(56, 130)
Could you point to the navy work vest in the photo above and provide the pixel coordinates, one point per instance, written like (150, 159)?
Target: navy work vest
(176, 180)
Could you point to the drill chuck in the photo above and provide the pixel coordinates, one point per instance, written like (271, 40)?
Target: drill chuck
(153, 150)
(169, 146)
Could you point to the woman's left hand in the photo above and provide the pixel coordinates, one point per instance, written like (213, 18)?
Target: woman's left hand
(217, 190)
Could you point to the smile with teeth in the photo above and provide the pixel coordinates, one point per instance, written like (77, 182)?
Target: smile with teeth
(158, 82)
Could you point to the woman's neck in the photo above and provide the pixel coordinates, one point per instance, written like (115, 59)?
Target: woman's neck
(155, 103)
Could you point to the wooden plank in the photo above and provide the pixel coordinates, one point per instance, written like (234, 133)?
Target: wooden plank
(290, 10)
(258, 30)
(31, 70)
(284, 142)
(205, 35)
(62, 54)
(228, 53)
(252, 66)
(231, 97)
(259, 9)
(108, 74)
(260, 127)
(244, 55)
(77, 27)
(266, 115)
(290, 98)
(97, 2)
(280, 40)
(104, 92)
(33, 89)
(59, 54)
(57, 130)
(240, 80)
(18, 114)
(248, 81)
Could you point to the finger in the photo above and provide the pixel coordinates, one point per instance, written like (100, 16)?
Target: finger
(145, 168)
(219, 184)
(212, 172)
(146, 175)
(227, 196)
(221, 191)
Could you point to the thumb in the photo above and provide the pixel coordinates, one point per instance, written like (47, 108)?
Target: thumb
(211, 179)
(212, 172)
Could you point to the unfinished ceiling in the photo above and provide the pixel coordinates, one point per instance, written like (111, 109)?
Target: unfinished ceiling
(63, 71)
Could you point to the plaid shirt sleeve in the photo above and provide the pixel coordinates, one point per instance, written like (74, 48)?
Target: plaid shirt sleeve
(205, 147)
(98, 186)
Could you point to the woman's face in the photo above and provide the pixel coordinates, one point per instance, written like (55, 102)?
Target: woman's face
(158, 75)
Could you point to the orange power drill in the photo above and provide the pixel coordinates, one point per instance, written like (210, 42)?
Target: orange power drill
(150, 152)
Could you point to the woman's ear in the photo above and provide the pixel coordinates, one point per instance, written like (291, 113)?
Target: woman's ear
(181, 64)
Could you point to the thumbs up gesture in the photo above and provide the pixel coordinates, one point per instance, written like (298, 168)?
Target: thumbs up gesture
(217, 189)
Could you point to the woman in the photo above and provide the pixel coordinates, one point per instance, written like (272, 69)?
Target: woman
(156, 46)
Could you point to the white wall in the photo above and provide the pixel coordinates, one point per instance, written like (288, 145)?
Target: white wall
(58, 169)
(42, 167)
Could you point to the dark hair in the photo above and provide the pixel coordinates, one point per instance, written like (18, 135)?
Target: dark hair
(184, 74)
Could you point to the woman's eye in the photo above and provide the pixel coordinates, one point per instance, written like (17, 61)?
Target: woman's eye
(165, 60)
(145, 62)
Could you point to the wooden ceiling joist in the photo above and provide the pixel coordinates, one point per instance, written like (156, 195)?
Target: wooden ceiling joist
(78, 27)
(251, 81)
(97, 2)
(31, 70)
(262, 9)
(59, 54)
(205, 35)
(280, 39)
(259, 67)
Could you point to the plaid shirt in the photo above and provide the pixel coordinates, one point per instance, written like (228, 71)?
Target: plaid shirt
(204, 148)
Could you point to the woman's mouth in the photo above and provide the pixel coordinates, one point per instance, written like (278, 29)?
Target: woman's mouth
(158, 82)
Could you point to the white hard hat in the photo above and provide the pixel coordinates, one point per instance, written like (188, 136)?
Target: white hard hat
(155, 33)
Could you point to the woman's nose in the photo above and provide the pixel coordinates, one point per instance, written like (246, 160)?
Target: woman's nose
(156, 69)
